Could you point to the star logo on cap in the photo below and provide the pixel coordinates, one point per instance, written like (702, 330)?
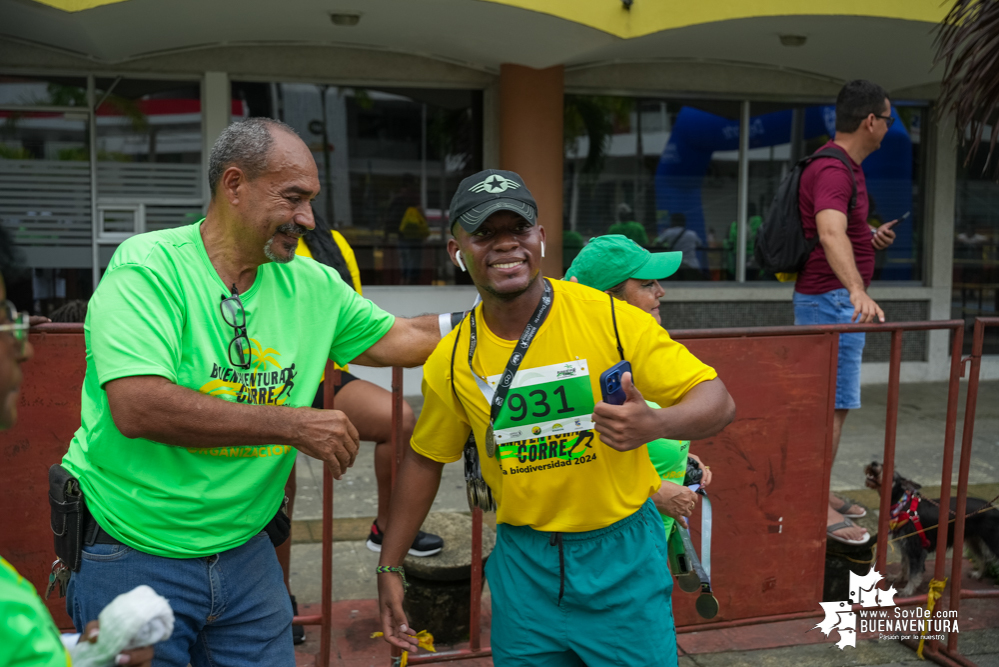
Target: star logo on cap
(494, 185)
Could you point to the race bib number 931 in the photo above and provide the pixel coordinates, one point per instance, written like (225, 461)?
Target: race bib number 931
(549, 400)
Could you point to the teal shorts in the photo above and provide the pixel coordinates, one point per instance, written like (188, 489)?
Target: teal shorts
(583, 599)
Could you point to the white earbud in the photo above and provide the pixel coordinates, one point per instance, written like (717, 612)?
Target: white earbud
(542, 250)
(461, 262)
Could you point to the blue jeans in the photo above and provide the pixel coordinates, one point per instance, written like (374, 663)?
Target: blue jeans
(835, 308)
(230, 609)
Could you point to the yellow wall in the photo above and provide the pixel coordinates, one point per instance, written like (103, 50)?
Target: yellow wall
(649, 16)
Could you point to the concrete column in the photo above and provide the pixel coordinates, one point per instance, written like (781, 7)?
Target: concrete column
(491, 126)
(216, 106)
(941, 176)
(531, 103)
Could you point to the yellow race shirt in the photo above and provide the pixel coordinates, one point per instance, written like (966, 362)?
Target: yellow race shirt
(551, 471)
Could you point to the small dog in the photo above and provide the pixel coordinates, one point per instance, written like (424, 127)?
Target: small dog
(911, 512)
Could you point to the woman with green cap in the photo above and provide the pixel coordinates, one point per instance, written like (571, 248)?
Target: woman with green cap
(617, 265)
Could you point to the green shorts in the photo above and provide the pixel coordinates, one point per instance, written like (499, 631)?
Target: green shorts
(583, 599)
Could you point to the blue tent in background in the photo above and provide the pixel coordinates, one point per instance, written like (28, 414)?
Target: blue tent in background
(697, 134)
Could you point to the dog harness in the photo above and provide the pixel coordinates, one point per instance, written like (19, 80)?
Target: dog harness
(905, 511)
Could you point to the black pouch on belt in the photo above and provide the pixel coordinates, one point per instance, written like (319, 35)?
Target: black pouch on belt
(69, 516)
(279, 528)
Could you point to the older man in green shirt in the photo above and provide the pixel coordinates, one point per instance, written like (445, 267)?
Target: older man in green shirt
(205, 347)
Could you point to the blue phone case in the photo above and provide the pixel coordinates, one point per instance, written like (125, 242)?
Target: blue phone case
(610, 383)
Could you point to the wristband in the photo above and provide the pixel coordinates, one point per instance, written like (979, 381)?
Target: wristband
(448, 321)
(381, 569)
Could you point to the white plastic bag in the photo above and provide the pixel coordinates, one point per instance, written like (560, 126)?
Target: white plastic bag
(140, 617)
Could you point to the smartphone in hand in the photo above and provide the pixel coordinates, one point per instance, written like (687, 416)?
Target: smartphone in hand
(888, 225)
(610, 383)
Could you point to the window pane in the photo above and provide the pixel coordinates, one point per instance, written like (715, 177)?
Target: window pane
(976, 244)
(43, 91)
(662, 172)
(149, 147)
(118, 221)
(780, 134)
(389, 161)
(45, 205)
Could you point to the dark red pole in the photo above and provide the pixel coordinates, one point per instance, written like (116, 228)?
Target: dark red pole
(398, 446)
(397, 450)
(326, 631)
(978, 342)
(476, 597)
(888, 467)
(953, 396)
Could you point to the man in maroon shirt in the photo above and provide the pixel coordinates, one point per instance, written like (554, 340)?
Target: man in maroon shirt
(832, 287)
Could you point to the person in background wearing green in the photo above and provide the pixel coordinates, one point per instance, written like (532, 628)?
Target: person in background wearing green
(731, 243)
(28, 635)
(616, 265)
(626, 225)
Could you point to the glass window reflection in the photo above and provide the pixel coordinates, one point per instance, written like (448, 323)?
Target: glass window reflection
(389, 161)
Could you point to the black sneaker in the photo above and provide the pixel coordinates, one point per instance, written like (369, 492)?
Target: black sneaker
(424, 545)
(297, 631)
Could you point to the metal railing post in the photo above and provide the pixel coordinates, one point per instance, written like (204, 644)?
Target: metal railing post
(953, 397)
(398, 447)
(397, 450)
(888, 465)
(978, 341)
(326, 630)
(474, 628)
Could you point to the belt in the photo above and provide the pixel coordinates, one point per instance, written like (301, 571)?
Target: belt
(94, 534)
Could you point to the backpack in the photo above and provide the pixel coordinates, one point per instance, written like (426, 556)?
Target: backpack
(781, 245)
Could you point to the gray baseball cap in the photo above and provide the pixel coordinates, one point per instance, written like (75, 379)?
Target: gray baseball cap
(482, 194)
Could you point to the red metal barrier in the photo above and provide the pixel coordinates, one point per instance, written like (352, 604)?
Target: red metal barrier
(956, 592)
(49, 413)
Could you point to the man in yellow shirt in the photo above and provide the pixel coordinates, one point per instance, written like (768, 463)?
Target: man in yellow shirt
(579, 573)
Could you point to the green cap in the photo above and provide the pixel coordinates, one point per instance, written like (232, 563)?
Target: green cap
(607, 261)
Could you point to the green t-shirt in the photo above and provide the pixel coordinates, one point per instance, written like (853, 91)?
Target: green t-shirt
(28, 635)
(157, 312)
(670, 459)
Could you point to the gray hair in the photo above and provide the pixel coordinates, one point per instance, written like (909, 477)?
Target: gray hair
(245, 144)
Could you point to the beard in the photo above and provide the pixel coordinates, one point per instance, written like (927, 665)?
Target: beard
(289, 228)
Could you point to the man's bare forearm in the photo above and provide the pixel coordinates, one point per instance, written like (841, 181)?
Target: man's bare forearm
(408, 343)
(414, 492)
(701, 413)
(154, 408)
(839, 253)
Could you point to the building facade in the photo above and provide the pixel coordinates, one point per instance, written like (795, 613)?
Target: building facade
(641, 111)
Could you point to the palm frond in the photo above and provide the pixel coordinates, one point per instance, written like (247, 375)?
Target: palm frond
(967, 43)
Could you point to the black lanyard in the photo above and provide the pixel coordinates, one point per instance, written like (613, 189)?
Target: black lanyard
(516, 357)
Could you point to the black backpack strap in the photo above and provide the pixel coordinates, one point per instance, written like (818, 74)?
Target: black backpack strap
(838, 154)
(620, 350)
